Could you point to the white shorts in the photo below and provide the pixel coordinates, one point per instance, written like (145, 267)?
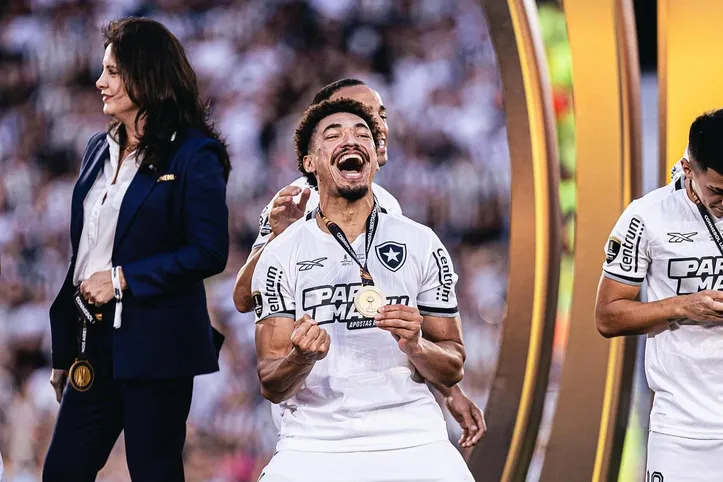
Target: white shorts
(435, 462)
(680, 459)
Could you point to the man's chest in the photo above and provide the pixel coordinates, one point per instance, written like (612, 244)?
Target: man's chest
(688, 258)
(328, 280)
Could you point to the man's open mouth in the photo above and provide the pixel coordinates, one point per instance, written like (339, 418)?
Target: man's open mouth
(351, 165)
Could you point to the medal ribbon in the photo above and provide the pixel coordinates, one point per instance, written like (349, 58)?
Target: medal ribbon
(371, 230)
(707, 219)
(85, 317)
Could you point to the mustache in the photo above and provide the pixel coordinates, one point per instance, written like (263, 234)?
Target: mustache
(351, 150)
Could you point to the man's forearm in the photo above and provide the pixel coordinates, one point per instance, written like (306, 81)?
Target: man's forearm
(281, 378)
(439, 363)
(627, 317)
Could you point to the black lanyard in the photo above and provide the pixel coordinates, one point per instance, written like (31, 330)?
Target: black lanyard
(85, 318)
(371, 229)
(707, 219)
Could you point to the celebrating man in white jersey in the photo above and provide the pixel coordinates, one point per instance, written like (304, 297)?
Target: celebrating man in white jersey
(672, 239)
(356, 308)
(298, 199)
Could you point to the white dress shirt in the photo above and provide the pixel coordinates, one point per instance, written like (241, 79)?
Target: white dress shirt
(100, 214)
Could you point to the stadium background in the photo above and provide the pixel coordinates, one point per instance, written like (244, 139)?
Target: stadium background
(259, 63)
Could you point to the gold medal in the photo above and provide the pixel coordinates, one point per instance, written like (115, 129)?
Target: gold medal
(368, 300)
(81, 375)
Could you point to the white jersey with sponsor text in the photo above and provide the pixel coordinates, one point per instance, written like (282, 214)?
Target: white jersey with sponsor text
(661, 238)
(383, 197)
(365, 394)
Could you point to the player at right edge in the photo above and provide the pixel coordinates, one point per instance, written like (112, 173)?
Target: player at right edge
(671, 239)
(356, 308)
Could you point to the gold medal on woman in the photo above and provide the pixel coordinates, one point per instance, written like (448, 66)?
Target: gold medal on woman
(81, 375)
(368, 300)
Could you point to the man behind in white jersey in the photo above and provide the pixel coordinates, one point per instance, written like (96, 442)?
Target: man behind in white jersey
(671, 238)
(297, 199)
(356, 308)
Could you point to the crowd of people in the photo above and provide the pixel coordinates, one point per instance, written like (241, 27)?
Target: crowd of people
(259, 63)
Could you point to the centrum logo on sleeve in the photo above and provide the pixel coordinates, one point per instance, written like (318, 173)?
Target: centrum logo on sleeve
(631, 245)
(272, 290)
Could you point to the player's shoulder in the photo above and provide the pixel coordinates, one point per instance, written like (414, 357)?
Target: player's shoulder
(406, 227)
(663, 201)
(293, 236)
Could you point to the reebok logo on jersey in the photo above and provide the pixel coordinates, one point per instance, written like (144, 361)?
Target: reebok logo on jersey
(680, 237)
(329, 304)
(696, 274)
(314, 263)
(392, 254)
(613, 249)
(631, 245)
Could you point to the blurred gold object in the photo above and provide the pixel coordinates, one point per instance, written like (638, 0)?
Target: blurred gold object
(81, 375)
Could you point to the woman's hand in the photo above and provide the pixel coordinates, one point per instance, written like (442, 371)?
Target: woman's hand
(98, 289)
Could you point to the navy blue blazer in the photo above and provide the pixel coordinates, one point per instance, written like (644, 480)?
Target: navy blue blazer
(171, 235)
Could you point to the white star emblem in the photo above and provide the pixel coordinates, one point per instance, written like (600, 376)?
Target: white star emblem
(391, 255)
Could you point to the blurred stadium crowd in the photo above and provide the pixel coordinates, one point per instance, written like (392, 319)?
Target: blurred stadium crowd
(259, 63)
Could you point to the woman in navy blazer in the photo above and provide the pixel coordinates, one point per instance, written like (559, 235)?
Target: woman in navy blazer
(149, 223)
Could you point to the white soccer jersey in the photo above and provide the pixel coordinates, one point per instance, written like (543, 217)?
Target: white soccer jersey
(384, 198)
(661, 239)
(365, 394)
(676, 174)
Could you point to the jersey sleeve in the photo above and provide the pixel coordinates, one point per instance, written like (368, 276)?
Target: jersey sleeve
(264, 227)
(271, 288)
(437, 296)
(626, 251)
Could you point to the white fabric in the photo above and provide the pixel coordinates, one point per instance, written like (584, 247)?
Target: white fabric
(100, 218)
(384, 198)
(680, 459)
(434, 462)
(677, 171)
(662, 239)
(365, 395)
(118, 295)
(2, 469)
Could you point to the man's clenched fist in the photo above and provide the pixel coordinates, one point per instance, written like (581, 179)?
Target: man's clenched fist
(309, 342)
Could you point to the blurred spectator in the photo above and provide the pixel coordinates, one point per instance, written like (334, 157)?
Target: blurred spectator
(259, 63)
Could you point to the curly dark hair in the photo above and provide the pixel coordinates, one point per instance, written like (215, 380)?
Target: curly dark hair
(314, 114)
(159, 79)
(330, 89)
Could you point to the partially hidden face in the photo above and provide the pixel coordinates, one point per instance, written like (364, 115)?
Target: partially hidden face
(116, 102)
(370, 98)
(708, 185)
(342, 155)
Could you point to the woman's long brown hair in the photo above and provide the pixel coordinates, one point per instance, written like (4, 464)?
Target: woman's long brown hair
(159, 79)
